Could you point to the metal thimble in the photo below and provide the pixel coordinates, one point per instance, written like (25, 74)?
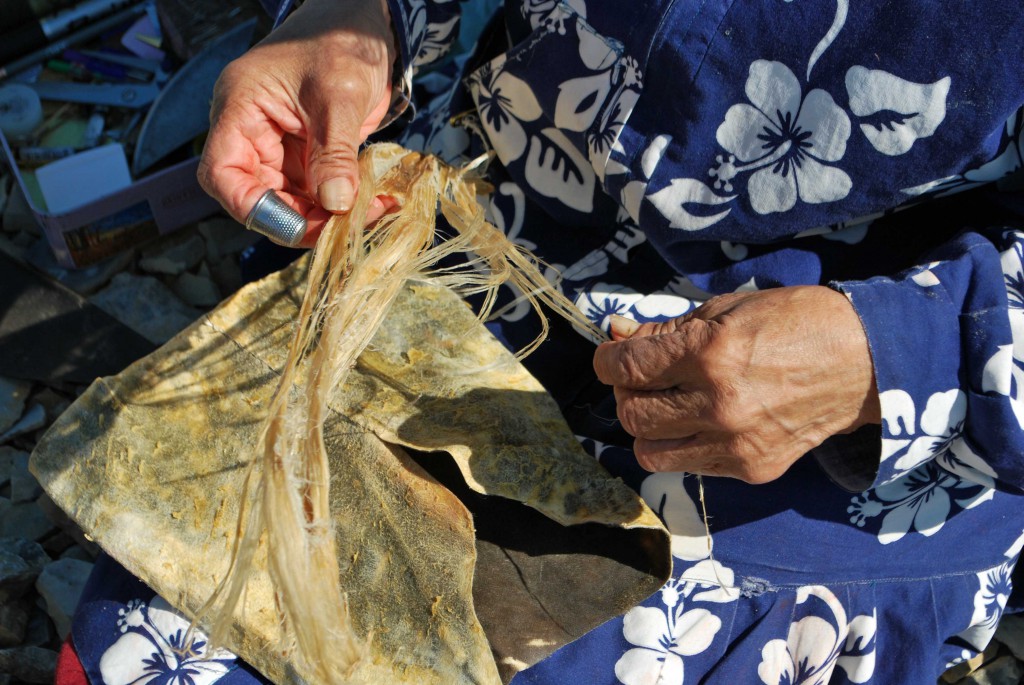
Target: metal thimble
(276, 220)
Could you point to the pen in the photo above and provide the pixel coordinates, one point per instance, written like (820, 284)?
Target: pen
(63, 67)
(102, 67)
(37, 33)
(58, 46)
(16, 13)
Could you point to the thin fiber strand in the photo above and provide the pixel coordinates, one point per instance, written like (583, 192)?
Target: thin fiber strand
(354, 276)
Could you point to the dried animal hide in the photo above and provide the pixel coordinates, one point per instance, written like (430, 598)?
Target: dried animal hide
(356, 271)
(152, 464)
(148, 464)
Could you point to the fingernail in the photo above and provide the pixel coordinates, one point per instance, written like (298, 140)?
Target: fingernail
(621, 326)
(336, 194)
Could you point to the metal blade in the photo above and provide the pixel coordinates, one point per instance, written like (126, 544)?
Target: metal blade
(182, 110)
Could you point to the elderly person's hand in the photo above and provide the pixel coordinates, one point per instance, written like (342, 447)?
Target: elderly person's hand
(744, 385)
(290, 114)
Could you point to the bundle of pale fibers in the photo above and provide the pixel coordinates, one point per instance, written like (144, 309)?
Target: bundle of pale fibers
(355, 274)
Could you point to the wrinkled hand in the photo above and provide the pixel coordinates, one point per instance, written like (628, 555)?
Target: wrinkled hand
(291, 113)
(744, 385)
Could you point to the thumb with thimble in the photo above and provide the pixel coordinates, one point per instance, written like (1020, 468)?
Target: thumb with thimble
(287, 119)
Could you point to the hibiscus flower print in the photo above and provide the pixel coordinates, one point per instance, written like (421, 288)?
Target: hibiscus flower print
(600, 301)
(819, 642)
(938, 427)
(785, 140)
(921, 500)
(661, 638)
(807, 655)
(1004, 372)
(503, 101)
(155, 648)
(994, 588)
(990, 600)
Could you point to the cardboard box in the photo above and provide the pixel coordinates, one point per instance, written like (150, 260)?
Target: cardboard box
(153, 205)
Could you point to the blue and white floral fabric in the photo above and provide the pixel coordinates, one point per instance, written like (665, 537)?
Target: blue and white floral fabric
(657, 152)
(752, 144)
(125, 634)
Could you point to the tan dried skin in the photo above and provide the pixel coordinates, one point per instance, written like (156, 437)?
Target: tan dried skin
(355, 275)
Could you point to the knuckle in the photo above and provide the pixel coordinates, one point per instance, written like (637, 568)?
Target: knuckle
(334, 155)
(715, 358)
(633, 362)
(348, 86)
(632, 417)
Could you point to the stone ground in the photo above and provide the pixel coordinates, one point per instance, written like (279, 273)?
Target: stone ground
(157, 291)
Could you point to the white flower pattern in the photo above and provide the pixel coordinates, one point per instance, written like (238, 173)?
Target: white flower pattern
(904, 111)
(786, 139)
(600, 300)
(819, 642)
(941, 423)
(786, 142)
(503, 101)
(155, 647)
(921, 500)
(661, 638)
(1004, 372)
(994, 588)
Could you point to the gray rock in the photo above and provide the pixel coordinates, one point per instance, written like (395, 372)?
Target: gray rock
(33, 419)
(53, 402)
(1005, 670)
(15, 575)
(227, 274)
(83, 281)
(14, 615)
(175, 257)
(225, 236)
(61, 584)
(1011, 634)
(13, 394)
(76, 552)
(24, 486)
(58, 543)
(26, 519)
(40, 632)
(29, 664)
(145, 305)
(7, 463)
(21, 562)
(67, 528)
(198, 291)
(31, 552)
